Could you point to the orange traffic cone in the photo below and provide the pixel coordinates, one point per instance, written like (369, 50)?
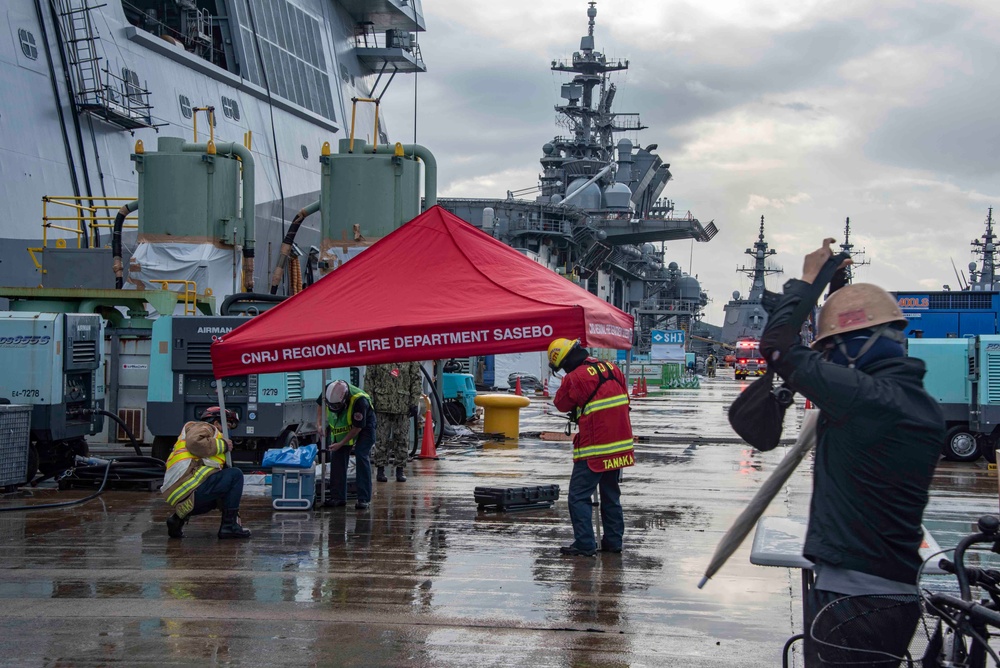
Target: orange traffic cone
(643, 388)
(427, 448)
(635, 387)
(517, 387)
(809, 404)
(545, 391)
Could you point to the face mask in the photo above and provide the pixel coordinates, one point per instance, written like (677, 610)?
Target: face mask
(852, 352)
(337, 408)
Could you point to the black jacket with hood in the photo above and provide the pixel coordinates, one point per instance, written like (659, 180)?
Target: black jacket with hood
(879, 438)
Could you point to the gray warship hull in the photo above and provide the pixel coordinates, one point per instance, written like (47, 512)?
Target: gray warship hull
(90, 79)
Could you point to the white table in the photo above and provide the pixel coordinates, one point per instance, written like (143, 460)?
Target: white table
(778, 541)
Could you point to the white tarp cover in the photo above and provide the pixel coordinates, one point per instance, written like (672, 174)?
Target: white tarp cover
(207, 265)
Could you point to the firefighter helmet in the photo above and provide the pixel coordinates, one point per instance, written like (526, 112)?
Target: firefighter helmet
(336, 395)
(559, 349)
(212, 415)
(854, 307)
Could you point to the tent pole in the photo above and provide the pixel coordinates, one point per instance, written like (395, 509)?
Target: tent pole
(437, 388)
(222, 416)
(321, 427)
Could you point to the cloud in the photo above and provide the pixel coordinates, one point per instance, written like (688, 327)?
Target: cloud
(806, 113)
(758, 202)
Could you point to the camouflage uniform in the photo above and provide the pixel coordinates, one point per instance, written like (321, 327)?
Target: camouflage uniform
(394, 388)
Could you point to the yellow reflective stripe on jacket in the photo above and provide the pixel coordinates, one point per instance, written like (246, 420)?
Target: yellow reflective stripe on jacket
(190, 485)
(180, 452)
(602, 449)
(603, 404)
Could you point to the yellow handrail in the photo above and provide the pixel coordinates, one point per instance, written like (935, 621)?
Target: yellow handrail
(92, 209)
(354, 111)
(211, 122)
(189, 295)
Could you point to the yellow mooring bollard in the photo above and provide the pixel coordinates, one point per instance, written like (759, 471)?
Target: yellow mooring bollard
(501, 413)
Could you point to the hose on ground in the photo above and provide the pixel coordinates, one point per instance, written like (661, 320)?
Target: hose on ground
(65, 504)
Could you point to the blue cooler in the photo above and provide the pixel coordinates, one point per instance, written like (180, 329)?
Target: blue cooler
(293, 489)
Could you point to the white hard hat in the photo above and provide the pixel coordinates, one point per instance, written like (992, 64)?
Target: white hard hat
(336, 391)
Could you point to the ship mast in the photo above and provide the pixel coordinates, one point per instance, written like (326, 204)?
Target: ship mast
(587, 114)
(848, 248)
(760, 252)
(986, 251)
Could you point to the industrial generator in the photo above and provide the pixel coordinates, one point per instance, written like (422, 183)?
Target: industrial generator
(54, 363)
(274, 409)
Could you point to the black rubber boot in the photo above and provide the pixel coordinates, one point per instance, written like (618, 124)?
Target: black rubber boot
(175, 526)
(231, 525)
(399, 474)
(380, 474)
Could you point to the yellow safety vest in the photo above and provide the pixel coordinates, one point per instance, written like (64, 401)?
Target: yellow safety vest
(340, 423)
(180, 453)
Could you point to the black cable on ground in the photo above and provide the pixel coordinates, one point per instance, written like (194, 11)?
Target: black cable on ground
(437, 402)
(124, 469)
(64, 504)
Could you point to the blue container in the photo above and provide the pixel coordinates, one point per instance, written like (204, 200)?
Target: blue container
(293, 489)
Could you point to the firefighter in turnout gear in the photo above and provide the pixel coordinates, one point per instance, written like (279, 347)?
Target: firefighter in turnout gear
(351, 426)
(596, 395)
(198, 480)
(396, 390)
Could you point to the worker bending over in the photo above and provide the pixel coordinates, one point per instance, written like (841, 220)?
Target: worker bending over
(595, 394)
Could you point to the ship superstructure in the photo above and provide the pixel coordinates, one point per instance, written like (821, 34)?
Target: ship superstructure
(983, 276)
(857, 256)
(598, 217)
(745, 316)
(92, 78)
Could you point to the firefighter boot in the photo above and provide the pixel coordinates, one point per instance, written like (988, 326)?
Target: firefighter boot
(399, 474)
(230, 527)
(175, 526)
(380, 474)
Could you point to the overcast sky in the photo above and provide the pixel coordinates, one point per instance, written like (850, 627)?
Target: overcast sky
(805, 112)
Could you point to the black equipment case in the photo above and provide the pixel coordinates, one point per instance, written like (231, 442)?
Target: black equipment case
(516, 498)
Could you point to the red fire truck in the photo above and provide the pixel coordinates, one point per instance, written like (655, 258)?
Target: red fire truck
(749, 361)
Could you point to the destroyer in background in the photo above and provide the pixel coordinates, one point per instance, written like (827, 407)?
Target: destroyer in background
(745, 317)
(598, 214)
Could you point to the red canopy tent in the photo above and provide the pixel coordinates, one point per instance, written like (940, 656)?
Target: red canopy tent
(433, 289)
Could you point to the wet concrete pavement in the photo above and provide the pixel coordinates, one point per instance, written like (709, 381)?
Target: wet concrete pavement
(425, 579)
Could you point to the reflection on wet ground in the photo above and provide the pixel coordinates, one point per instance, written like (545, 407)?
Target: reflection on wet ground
(426, 579)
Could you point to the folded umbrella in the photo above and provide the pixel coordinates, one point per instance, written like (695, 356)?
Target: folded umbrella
(747, 519)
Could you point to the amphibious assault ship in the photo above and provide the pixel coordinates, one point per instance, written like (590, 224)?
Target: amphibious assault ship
(598, 217)
(745, 316)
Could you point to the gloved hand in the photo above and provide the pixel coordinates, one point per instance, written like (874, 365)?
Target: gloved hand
(838, 281)
(414, 411)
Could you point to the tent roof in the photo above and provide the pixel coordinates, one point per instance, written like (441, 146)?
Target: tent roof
(434, 288)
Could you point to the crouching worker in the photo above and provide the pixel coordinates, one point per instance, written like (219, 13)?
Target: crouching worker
(596, 395)
(198, 480)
